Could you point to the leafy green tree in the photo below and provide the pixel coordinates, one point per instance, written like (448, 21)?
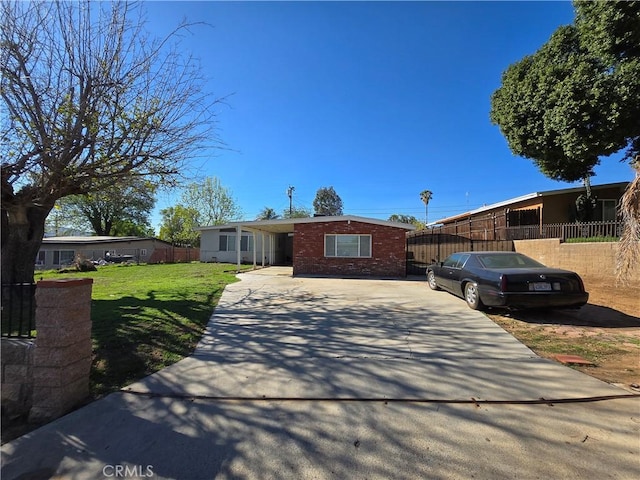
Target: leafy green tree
(178, 226)
(408, 219)
(117, 210)
(267, 213)
(577, 98)
(88, 98)
(296, 212)
(610, 31)
(327, 202)
(213, 202)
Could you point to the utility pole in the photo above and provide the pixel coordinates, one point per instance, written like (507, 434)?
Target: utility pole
(290, 195)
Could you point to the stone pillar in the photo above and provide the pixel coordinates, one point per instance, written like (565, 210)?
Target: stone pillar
(62, 354)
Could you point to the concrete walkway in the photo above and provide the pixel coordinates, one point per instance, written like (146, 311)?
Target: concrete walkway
(341, 378)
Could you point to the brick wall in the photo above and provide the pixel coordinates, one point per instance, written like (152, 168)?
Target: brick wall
(388, 257)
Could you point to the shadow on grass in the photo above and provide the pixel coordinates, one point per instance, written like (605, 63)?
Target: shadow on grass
(134, 337)
(588, 316)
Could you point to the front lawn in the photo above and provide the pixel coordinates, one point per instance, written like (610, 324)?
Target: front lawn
(146, 317)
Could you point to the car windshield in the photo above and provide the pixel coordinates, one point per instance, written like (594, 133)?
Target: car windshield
(501, 260)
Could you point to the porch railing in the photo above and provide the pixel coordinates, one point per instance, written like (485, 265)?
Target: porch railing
(591, 231)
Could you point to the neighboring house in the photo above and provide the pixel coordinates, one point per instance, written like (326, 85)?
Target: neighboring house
(541, 208)
(59, 251)
(340, 245)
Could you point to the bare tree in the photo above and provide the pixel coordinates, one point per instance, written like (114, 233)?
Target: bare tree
(87, 99)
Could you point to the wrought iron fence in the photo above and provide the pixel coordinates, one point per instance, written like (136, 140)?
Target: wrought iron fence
(18, 310)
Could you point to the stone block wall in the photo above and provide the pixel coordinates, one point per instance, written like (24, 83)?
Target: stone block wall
(46, 377)
(17, 376)
(388, 253)
(62, 357)
(588, 259)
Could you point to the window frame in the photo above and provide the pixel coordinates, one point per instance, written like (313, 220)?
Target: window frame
(246, 242)
(607, 201)
(58, 254)
(360, 236)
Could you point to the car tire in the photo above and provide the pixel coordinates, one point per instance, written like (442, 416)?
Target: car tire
(472, 296)
(431, 280)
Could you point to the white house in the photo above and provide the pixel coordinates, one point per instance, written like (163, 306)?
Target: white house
(272, 239)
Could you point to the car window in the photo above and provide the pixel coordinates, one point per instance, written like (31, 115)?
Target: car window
(463, 259)
(457, 260)
(451, 261)
(507, 261)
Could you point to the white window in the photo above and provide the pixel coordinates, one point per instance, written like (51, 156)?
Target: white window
(143, 252)
(41, 259)
(227, 243)
(347, 246)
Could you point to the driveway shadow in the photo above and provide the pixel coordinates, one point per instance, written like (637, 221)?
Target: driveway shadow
(588, 316)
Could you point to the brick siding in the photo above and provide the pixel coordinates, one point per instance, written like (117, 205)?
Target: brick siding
(388, 257)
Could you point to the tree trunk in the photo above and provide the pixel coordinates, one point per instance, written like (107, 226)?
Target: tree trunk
(22, 233)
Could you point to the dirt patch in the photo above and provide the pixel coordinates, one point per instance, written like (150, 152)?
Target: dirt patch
(606, 332)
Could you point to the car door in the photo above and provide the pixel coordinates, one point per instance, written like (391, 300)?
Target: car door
(457, 273)
(449, 270)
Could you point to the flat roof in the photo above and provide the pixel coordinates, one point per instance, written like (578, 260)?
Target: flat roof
(95, 239)
(285, 225)
(528, 196)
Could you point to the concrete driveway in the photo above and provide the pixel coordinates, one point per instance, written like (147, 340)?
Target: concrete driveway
(341, 378)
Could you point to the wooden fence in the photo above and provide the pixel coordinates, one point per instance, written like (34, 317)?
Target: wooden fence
(491, 232)
(424, 248)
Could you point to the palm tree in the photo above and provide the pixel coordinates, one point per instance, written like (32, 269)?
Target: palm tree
(425, 196)
(628, 255)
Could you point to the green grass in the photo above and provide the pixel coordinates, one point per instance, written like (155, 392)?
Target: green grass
(592, 239)
(146, 317)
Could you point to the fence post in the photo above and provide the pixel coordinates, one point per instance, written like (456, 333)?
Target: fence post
(62, 355)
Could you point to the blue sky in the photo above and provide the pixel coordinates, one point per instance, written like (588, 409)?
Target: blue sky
(380, 100)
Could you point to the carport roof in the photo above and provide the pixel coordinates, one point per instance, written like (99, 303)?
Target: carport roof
(286, 225)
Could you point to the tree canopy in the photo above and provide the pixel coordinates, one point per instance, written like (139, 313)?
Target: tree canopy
(296, 212)
(117, 210)
(327, 202)
(88, 99)
(408, 219)
(178, 226)
(212, 201)
(267, 213)
(578, 97)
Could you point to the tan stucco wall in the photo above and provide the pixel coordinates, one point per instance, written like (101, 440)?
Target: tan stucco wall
(585, 258)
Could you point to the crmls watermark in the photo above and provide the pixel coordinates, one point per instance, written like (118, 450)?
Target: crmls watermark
(128, 471)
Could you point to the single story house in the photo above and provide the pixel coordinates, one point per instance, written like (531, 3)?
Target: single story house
(325, 245)
(58, 251)
(535, 209)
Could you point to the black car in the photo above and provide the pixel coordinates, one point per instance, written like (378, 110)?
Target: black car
(506, 279)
